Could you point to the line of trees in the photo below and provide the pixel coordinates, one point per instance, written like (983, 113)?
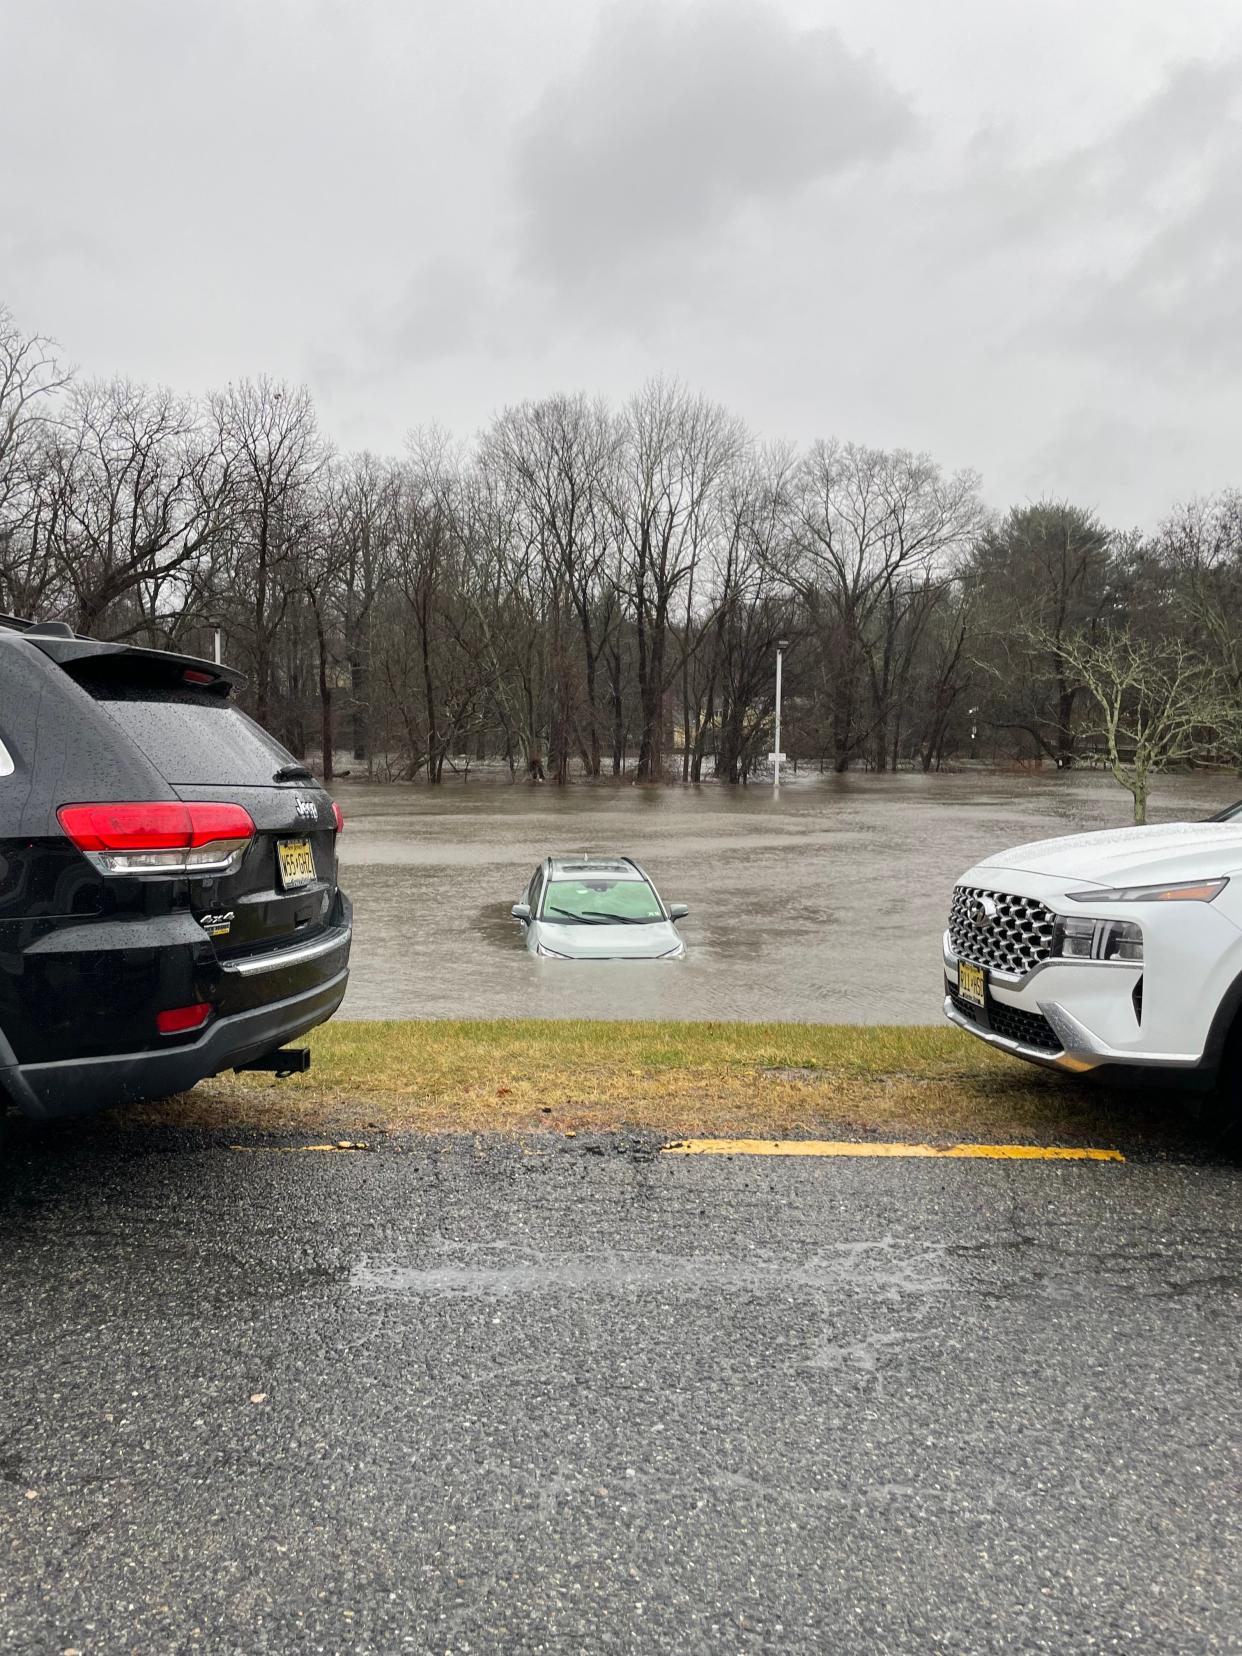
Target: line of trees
(587, 590)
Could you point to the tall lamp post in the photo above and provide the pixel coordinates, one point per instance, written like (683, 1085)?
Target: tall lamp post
(775, 757)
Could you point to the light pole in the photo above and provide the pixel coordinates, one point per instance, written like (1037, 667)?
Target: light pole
(219, 657)
(776, 757)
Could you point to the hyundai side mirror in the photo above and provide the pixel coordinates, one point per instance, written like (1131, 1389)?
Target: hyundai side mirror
(677, 911)
(521, 911)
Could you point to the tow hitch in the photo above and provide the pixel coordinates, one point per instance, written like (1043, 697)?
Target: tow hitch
(281, 1062)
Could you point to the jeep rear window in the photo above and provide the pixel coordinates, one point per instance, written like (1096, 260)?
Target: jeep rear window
(193, 737)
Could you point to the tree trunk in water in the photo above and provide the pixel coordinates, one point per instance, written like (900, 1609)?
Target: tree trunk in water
(358, 715)
(262, 695)
(1140, 799)
(700, 736)
(1065, 724)
(433, 774)
(325, 699)
(842, 726)
(617, 704)
(731, 762)
(592, 757)
(651, 696)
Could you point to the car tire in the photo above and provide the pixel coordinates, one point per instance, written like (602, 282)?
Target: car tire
(1222, 1110)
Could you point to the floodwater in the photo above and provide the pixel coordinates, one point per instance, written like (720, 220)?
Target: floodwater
(825, 904)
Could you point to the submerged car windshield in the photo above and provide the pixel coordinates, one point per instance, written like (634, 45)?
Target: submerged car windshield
(600, 901)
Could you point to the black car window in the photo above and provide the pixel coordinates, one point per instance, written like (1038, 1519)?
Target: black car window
(193, 738)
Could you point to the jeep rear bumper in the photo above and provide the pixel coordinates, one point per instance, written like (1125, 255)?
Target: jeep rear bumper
(77, 1085)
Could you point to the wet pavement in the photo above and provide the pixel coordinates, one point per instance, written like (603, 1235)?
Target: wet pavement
(825, 905)
(565, 1396)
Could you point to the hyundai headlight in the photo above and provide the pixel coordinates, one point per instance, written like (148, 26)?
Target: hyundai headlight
(1075, 937)
(1184, 891)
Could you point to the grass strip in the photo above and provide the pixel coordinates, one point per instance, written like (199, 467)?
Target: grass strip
(685, 1080)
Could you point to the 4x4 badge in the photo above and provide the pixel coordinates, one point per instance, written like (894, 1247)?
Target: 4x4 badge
(217, 925)
(306, 808)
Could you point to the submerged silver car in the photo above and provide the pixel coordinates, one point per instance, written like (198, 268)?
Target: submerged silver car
(597, 908)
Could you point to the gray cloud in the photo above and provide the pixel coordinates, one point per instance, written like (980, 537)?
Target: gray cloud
(680, 116)
(1174, 305)
(436, 209)
(1100, 455)
(1135, 240)
(441, 311)
(1178, 308)
(1133, 172)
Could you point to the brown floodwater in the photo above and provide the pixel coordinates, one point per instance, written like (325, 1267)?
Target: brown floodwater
(823, 905)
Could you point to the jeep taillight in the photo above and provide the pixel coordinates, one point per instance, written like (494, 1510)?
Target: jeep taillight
(179, 1020)
(338, 816)
(160, 836)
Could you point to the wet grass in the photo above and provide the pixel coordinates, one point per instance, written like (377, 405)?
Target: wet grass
(679, 1079)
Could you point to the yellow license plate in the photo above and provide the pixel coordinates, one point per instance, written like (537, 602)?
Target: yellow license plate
(297, 862)
(972, 983)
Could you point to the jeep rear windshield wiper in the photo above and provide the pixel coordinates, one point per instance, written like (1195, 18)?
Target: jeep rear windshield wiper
(292, 773)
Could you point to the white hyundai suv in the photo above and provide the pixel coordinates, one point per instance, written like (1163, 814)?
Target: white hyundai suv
(1114, 948)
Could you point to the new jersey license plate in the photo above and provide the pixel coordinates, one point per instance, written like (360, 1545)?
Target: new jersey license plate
(972, 983)
(297, 862)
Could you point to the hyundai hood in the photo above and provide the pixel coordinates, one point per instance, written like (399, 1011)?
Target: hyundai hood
(1131, 856)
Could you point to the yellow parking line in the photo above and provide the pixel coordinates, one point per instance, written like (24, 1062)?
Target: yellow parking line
(845, 1147)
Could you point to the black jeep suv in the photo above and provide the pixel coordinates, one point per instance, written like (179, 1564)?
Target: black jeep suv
(169, 903)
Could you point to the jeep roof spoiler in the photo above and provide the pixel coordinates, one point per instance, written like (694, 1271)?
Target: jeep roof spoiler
(67, 648)
(71, 653)
(38, 629)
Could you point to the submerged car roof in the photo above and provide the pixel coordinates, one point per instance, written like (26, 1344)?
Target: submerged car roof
(621, 868)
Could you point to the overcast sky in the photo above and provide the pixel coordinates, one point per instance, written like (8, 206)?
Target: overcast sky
(1005, 231)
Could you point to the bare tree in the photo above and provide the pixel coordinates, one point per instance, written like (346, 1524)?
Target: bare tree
(582, 582)
(30, 377)
(1153, 704)
(353, 566)
(132, 490)
(1200, 549)
(728, 681)
(269, 437)
(560, 455)
(946, 671)
(1052, 566)
(675, 449)
(437, 666)
(872, 534)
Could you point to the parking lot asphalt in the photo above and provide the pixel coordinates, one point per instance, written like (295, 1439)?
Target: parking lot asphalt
(563, 1395)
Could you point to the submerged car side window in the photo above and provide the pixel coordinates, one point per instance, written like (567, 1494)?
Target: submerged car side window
(6, 760)
(533, 890)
